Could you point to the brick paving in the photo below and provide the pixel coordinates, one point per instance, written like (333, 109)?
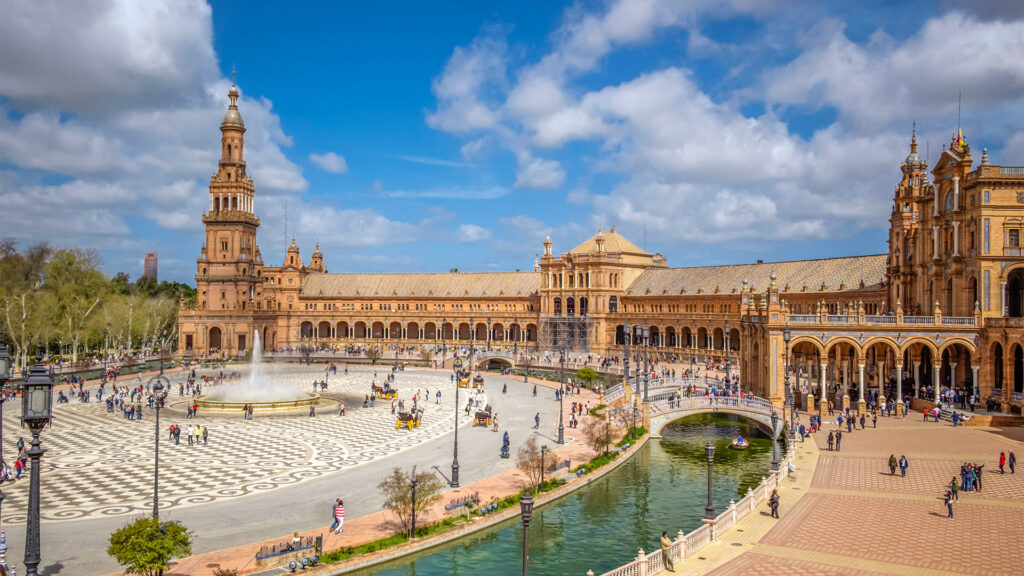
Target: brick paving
(857, 519)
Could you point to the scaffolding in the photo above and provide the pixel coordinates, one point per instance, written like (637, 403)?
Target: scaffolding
(572, 333)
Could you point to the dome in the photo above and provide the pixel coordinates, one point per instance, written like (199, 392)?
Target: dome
(913, 159)
(233, 117)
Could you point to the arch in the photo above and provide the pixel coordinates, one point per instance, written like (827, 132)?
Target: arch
(447, 331)
(360, 330)
(306, 329)
(613, 305)
(377, 330)
(924, 342)
(1017, 367)
(499, 362)
(531, 332)
(734, 340)
(498, 332)
(341, 330)
(214, 338)
(480, 332)
(671, 336)
(837, 340)
(620, 335)
(234, 199)
(516, 332)
(584, 306)
(763, 422)
(395, 330)
(965, 342)
(997, 366)
(412, 331)
(972, 286)
(463, 331)
(687, 337)
(718, 339)
(430, 331)
(557, 302)
(655, 336)
(1015, 293)
(323, 329)
(812, 340)
(570, 306)
(216, 204)
(702, 337)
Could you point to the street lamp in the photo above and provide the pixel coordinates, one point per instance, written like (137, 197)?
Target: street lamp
(36, 412)
(775, 441)
(787, 335)
(106, 348)
(626, 333)
(543, 450)
(515, 341)
(160, 391)
(415, 481)
(526, 509)
(444, 344)
(5, 379)
(728, 379)
(643, 335)
(469, 375)
(709, 451)
(561, 397)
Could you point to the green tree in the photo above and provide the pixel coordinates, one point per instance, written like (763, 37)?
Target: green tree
(586, 374)
(119, 283)
(145, 286)
(147, 545)
(397, 491)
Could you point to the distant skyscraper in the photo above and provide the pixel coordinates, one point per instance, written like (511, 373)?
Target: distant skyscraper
(150, 267)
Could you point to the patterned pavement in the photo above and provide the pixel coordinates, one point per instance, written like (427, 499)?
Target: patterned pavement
(98, 464)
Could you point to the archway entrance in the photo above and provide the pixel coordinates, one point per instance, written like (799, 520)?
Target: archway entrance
(215, 337)
(1015, 293)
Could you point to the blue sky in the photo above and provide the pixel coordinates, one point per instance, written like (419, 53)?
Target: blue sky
(412, 136)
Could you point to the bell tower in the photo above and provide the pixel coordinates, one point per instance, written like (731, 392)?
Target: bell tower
(905, 235)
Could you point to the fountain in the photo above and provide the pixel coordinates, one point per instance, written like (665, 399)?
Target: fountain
(262, 390)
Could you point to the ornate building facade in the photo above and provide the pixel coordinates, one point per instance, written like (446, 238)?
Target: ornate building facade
(944, 305)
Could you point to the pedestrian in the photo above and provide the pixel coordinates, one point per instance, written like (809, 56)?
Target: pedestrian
(977, 476)
(903, 466)
(956, 419)
(312, 410)
(892, 464)
(849, 424)
(863, 419)
(874, 419)
(948, 499)
(190, 431)
(206, 435)
(334, 515)
(839, 440)
(1002, 462)
(954, 488)
(831, 440)
(177, 435)
(339, 516)
(536, 421)
(773, 503)
(666, 552)
(925, 412)
(1012, 461)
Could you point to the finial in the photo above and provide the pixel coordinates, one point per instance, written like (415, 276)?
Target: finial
(913, 138)
(984, 155)
(234, 76)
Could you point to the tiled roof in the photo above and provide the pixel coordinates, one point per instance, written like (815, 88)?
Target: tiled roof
(798, 275)
(613, 243)
(441, 285)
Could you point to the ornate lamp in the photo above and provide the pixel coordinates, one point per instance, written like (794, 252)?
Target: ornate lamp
(526, 509)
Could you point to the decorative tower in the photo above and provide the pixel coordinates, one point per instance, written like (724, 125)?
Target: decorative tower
(905, 237)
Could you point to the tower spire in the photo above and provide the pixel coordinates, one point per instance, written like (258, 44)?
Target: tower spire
(913, 138)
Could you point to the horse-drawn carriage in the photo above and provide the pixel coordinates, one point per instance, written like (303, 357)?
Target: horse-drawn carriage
(484, 417)
(478, 381)
(409, 420)
(385, 392)
(464, 383)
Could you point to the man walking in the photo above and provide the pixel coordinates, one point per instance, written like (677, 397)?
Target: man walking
(892, 464)
(666, 552)
(536, 421)
(839, 440)
(206, 435)
(334, 515)
(948, 499)
(189, 431)
(773, 503)
(1012, 461)
(903, 466)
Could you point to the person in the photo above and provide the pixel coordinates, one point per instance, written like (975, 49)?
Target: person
(339, 516)
(954, 488)
(956, 419)
(839, 439)
(190, 431)
(334, 515)
(863, 419)
(666, 552)
(1002, 462)
(341, 409)
(831, 440)
(312, 410)
(903, 466)
(925, 412)
(892, 464)
(773, 503)
(535, 390)
(536, 421)
(206, 435)
(1012, 461)
(948, 499)
(874, 419)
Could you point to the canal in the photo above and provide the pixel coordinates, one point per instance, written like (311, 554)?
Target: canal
(602, 526)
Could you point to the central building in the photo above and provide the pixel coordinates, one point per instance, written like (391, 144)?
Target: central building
(941, 305)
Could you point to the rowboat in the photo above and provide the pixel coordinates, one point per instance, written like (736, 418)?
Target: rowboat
(739, 444)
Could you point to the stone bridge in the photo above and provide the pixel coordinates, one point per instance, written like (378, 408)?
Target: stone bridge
(493, 359)
(757, 410)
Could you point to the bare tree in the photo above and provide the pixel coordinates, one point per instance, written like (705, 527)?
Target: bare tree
(397, 491)
(426, 354)
(598, 433)
(528, 460)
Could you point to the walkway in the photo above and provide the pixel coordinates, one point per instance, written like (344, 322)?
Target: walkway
(852, 518)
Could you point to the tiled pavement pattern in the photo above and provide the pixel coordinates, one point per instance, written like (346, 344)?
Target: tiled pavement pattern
(856, 519)
(99, 464)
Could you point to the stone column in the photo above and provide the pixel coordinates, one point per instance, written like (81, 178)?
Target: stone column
(936, 368)
(846, 383)
(823, 402)
(974, 383)
(917, 374)
(861, 404)
(899, 390)
(1002, 297)
(880, 377)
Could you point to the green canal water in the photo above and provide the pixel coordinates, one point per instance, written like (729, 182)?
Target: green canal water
(602, 526)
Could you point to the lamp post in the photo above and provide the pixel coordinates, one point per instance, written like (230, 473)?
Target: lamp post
(106, 348)
(415, 481)
(709, 451)
(775, 441)
(444, 341)
(643, 334)
(543, 451)
(469, 374)
(787, 335)
(5, 379)
(626, 333)
(160, 391)
(526, 509)
(36, 412)
(728, 379)
(561, 398)
(607, 435)
(515, 341)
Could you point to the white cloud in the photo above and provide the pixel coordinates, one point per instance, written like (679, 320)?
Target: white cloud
(330, 162)
(579, 197)
(463, 87)
(469, 233)
(538, 173)
(363, 228)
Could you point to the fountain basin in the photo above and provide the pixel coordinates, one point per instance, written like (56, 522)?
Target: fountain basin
(211, 405)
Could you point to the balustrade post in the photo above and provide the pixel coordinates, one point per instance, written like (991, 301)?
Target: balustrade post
(732, 511)
(764, 487)
(641, 560)
(750, 499)
(681, 538)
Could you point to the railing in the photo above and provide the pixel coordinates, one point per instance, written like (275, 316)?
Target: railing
(839, 318)
(919, 319)
(1005, 322)
(686, 545)
(803, 319)
(1017, 397)
(997, 393)
(614, 393)
(877, 319)
(958, 320)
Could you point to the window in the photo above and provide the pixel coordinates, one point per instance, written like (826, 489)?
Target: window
(224, 245)
(1013, 238)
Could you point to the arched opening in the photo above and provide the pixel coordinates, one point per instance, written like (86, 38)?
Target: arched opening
(734, 340)
(448, 331)
(215, 337)
(430, 331)
(949, 309)
(687, 337)
(702, 338)
(306, 330)
(412, 331)
(395, 331)
(323, 329)
(584, 306)
(360, 330)
(516, 332)
(216, 204)
(570, 306)
(558, 306)
(531, 332)
(671, 336)
(1018, 368)
(655, 336)
(1015, 293)
(997, 366)
(613, 305)
(342, 330)
(234, 201)
(480, 332)
(718, 339)
(463, 331)
(377, 330)
(973, 282)
(498, 332)
(620, 335)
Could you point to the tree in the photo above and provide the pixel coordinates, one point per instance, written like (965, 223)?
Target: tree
(374, 354)
(598, 433)
(586, 374)
(397, 491)
(528, 460)
(426, 354)
(147, 545)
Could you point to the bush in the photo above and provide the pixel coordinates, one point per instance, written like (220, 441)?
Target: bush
(147, 545)
(598, 410)
(597, 462)
(631, 436)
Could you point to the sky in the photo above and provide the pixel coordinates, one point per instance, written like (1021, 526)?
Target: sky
(425, 136)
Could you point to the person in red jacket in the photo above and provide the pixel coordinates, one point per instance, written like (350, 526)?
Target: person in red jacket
(1002, 462)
